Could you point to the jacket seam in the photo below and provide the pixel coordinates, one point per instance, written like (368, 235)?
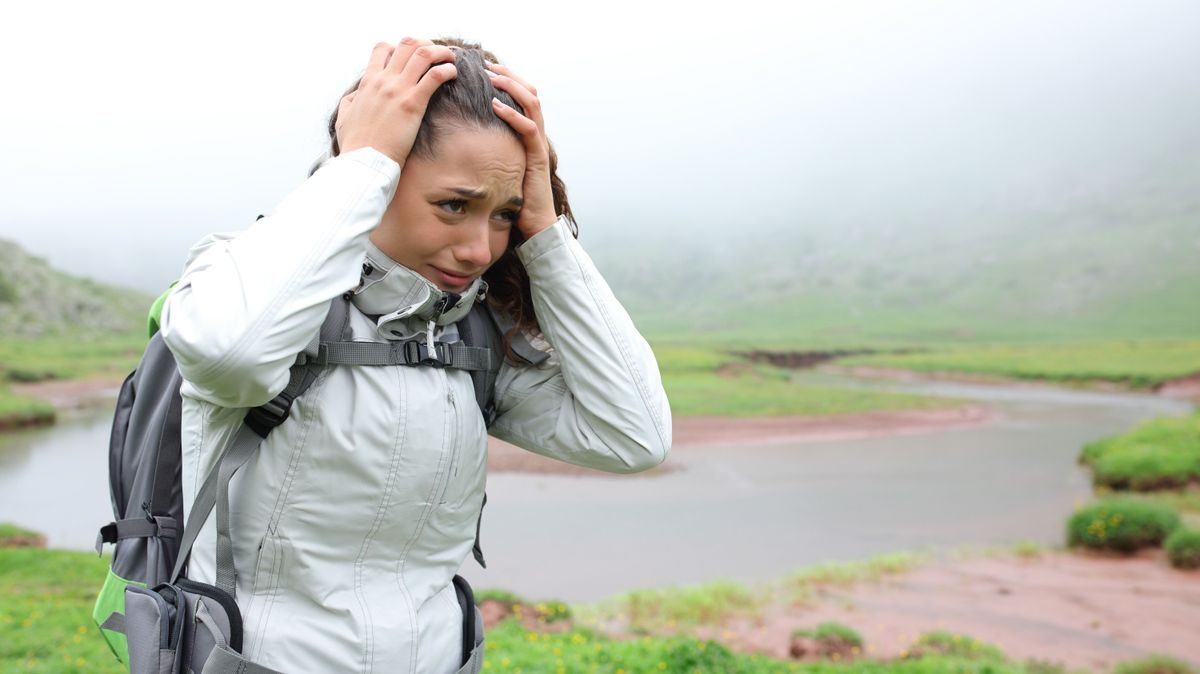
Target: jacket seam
(433, 497)
(397, 452)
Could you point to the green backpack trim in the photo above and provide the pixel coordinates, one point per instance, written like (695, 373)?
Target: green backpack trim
(154, 320)
(110, 601)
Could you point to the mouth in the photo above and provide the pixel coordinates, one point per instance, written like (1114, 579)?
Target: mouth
(452, 281)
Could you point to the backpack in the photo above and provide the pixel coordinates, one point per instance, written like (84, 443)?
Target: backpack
(150, 614)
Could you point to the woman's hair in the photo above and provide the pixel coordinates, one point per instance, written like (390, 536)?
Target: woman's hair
(466, 100)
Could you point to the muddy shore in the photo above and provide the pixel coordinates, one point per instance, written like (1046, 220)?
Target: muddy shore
(1079, 609)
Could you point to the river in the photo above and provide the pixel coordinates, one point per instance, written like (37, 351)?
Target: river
(740, 512)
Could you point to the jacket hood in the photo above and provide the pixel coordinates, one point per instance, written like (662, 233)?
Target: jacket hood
(405, 302)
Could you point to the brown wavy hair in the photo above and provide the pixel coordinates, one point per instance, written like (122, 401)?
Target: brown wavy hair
(466, 100)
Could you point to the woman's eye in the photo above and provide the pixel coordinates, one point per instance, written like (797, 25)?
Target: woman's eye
(456, 206)
(510, 216)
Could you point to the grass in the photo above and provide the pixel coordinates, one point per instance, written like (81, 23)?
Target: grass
(58, 358)
(1162, 453)
(1122, 525)
(1134, 363)
(46, 613)
(18, 410)
(26, 360)
(46, 599)
(716, 601)
(703, 381)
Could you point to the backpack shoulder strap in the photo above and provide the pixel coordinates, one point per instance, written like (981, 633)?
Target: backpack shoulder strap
(479, 330)
(259, 423)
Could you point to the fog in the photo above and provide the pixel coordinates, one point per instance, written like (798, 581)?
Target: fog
(132, 130)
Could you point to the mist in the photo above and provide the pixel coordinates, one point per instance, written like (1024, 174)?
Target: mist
(133, 132)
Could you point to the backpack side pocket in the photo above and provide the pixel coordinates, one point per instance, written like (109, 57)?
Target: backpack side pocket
(109, 613)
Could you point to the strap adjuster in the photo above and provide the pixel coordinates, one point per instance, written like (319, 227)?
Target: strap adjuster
(416, 352)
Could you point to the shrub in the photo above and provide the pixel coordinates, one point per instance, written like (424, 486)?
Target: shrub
(1122, 525)
(552, 611)
(1145, 467)
(1155, 664)
(954, 645)
(834, 633)
(1183, 548)
(503, 596)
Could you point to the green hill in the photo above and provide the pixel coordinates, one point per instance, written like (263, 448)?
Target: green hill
(38, 301)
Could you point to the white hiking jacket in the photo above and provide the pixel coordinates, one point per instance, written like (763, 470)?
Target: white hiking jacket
(356, 513)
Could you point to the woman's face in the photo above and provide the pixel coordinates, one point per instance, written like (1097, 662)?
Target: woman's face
(451, 215)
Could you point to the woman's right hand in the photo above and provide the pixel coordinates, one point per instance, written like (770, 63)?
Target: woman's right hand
(385, 111)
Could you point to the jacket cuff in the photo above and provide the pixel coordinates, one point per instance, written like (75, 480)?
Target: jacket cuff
(374, 160)
(548, 239)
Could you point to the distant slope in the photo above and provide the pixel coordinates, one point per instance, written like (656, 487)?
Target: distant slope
(39, 301)
(1114, 253)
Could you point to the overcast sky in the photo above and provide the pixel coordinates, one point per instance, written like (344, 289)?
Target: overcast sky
(131, 129)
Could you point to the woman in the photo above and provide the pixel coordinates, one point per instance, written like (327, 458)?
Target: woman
(353, 517)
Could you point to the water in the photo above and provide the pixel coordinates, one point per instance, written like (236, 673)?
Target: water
(740, 512)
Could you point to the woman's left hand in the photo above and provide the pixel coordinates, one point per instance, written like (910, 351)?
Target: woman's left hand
(537, 213)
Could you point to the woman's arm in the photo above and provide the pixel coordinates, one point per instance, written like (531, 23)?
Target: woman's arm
(599, 401)
(245, 306)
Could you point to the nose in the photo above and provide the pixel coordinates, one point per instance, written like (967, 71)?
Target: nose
(472, 249)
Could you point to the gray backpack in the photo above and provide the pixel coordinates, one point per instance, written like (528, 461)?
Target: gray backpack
(152, 616)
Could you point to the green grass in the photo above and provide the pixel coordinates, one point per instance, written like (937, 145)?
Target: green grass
(713, 602)
(702, 382)
(1122, 525)
(46, 613)
(1162, 453)
(1139, 364)
(30, 360)
(46, 599)
(19, 410)
(12, 535)
(25, 360)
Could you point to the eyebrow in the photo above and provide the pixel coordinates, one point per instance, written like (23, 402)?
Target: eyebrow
(480, 194)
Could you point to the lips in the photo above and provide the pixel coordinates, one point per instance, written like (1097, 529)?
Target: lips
(453, 280)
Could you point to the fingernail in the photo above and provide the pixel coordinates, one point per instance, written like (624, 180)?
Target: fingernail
(497, 101)
(407, 40)
(491, 74)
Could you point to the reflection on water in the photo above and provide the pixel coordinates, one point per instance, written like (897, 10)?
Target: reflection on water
(741, 512)
(55, 480)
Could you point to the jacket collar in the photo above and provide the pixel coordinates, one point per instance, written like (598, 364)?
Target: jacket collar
(405, 302)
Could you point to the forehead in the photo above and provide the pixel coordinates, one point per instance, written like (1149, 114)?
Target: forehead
(476, 157)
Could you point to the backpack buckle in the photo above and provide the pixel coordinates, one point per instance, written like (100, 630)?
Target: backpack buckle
(417, 353)
(269, 415)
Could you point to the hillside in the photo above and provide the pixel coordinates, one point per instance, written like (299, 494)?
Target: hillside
(37, 301)
(1110, 252)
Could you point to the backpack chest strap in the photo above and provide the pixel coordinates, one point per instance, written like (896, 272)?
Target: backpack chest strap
(411, 353)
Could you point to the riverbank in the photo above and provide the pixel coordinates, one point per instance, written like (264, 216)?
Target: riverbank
(709, 431)
(1077, 609)
(1182, 388)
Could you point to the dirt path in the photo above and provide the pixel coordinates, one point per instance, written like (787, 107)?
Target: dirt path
(1077, 609)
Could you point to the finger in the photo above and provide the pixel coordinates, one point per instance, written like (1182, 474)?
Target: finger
(531, 135)
(507, 72)
(523, 96)
(436, 77)
(404, 52)
(423, 58)
(379, 57)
